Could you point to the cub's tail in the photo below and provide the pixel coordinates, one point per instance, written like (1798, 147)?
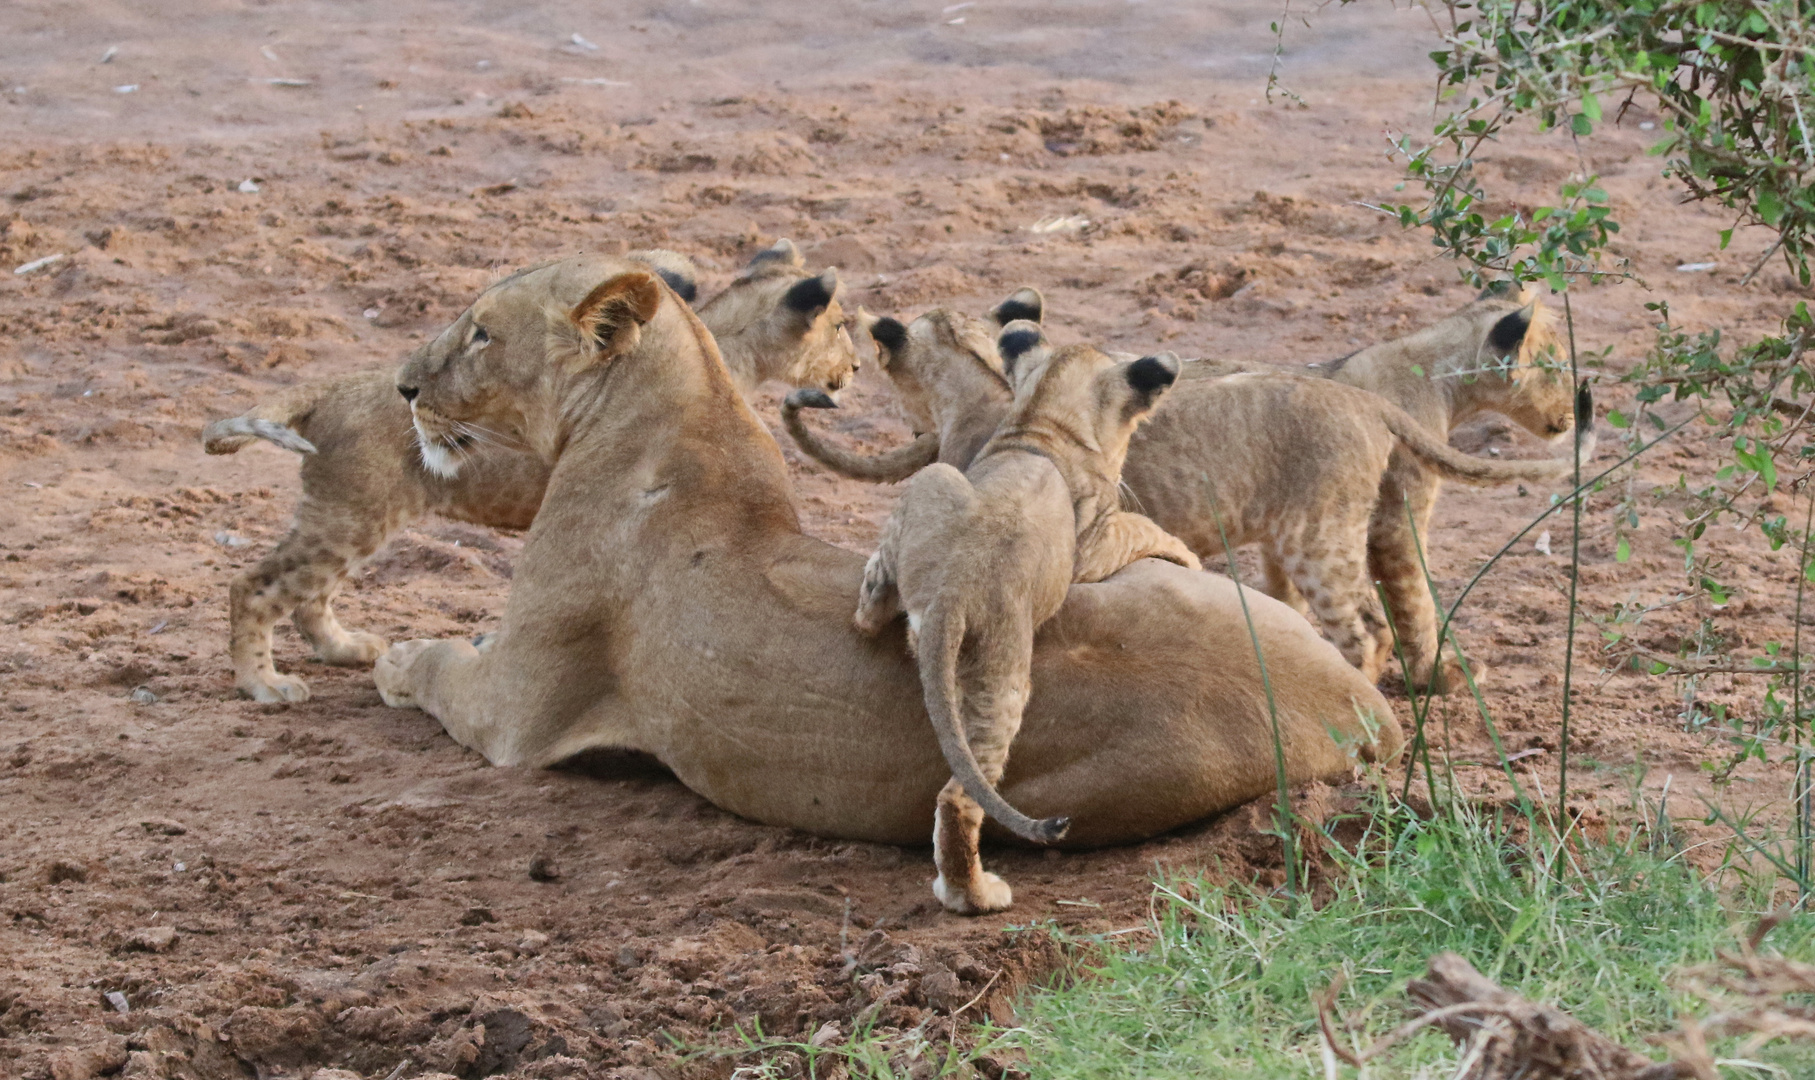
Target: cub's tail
(275, 422)
(1453, 464)
(885, 468)
(941, 635)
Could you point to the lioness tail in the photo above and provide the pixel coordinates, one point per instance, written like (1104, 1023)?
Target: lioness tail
(885, 468)
(941, 635)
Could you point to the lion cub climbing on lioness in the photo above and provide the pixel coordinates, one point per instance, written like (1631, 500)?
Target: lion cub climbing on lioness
(979, 559)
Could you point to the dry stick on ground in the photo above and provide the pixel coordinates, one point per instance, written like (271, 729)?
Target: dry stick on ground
(1504, 1035)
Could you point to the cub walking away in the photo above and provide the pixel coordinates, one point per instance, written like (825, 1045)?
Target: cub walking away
(979, 559)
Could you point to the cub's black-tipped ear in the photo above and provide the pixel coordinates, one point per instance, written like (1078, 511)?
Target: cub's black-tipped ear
(1022, 304)
(1509, 332)
(808, 397)
(1153, 373)
(1505, 288)
(812, 295)
(889, 333)
(682, 285)
(1017, 340)
(782, 251)
(1584, 407)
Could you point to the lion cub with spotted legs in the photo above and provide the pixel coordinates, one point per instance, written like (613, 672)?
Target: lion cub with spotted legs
(979, 559)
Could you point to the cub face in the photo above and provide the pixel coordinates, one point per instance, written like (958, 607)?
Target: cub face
(496, 374)
(800, 320)
(1097, 399)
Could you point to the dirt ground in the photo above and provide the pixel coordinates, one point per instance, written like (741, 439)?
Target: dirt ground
(243, 195)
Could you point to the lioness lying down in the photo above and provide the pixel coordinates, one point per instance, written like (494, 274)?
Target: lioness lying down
(365, 475)
(981, 559)
(667, 603)
(1295, 464)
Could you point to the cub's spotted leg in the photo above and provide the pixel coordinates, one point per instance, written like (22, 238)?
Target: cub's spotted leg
(300, 575)
(1394, 561)
(1335, 587)
(1280, 587)
(993, 702)
(334, 643)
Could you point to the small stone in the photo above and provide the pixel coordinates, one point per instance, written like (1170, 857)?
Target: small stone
(827, 1034)
(152, 939)
(543, 868)
(477, 916)
(334, 1074)
(118, 1001)
(163, 827)
(88, 1062)
(144, 696)
(533, 942)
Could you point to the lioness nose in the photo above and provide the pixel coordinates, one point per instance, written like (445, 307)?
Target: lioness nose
(409, 392)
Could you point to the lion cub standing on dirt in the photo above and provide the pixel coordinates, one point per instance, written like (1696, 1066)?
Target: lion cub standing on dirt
(979, 559)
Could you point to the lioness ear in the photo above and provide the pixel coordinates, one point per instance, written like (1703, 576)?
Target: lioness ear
(810, 296)
(1152, 374)
(1507, 334)
(611, 317)
(1018, 339)
(1023, 304)
(782, 251)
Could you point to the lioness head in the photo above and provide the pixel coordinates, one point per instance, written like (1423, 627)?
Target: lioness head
(500, 373)
(788, 321)
(1078, 394)
(916, 356)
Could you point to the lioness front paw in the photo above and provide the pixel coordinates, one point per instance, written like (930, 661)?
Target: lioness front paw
(981, 895)
(392, 674)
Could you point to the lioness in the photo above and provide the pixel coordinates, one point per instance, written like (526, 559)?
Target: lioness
(980, 559)
(667, 603)
(365, 475)
(1295, 464)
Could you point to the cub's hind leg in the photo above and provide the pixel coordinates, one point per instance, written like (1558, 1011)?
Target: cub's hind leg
(994, 698)
(1329, 568)
(301, 575)
(1395, 559)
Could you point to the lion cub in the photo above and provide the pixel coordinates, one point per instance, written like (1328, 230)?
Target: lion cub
(979, 559)
(365, 473)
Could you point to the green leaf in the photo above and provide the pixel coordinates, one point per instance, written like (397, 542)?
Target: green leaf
(1591, 108)
(1770, 207)
(1580, 125)
(1618, 419)
(1726, 237)
(1622, 551)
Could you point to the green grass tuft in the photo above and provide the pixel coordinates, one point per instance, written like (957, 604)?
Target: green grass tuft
(1225, 988)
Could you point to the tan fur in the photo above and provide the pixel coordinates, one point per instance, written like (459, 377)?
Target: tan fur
(979, 560)
(366, 475)
(667, 603)
(1294, 464)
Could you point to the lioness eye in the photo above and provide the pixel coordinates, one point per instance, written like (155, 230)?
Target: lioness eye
(480, 338)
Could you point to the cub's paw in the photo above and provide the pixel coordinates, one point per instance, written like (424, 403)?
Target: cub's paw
(392, 673)
(354, 649)
(275, 689)
(979, 896)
